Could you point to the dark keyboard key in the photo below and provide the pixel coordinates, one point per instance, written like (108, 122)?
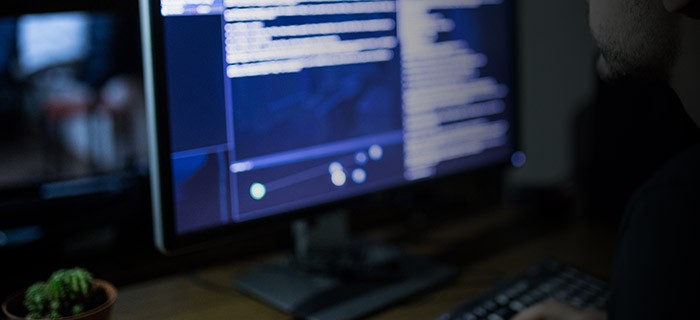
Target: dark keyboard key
(489, 305)
(469, 316)
(480, 312)
(504, 313)
(528, 300)
(517, 306)
(494, 316)
(502, 299)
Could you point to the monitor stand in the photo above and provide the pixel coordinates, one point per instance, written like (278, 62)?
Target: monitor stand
(331, 276)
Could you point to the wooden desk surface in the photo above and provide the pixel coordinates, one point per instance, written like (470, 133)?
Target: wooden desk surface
(487, 248)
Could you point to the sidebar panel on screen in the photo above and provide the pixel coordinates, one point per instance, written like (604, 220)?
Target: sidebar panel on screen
(198, 125)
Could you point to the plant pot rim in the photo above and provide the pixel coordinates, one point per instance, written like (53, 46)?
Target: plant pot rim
(103, 285)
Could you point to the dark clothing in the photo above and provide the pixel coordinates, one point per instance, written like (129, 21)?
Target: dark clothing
(657, 273)
(630, 131)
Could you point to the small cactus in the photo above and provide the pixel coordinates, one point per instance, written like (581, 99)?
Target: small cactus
(67, 292)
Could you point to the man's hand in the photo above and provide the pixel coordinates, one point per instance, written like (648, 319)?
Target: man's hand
(552, 309)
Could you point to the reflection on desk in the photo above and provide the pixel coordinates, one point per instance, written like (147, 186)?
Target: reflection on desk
(486, 248)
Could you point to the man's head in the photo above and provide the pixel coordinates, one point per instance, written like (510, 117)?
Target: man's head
(639, 38)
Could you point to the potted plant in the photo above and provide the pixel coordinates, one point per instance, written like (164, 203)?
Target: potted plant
(69, 294)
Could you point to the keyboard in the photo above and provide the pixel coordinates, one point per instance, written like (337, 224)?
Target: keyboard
(539, 282)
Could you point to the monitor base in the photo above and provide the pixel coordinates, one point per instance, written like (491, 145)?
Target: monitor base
(320, 296)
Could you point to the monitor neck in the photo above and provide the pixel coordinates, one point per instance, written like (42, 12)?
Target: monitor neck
(323, 233)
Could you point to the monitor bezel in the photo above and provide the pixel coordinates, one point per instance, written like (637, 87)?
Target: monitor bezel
(165, 235)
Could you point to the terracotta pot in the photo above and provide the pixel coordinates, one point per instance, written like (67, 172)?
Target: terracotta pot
(13, 307)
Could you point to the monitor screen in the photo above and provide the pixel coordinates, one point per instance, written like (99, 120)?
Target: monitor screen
(262, 108)
(71, 99)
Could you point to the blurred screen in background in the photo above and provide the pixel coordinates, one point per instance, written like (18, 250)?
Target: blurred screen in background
(71, 101)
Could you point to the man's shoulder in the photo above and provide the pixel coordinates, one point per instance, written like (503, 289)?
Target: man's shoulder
(680, 170)
(656, 261)
(672, 194)
(675, 179)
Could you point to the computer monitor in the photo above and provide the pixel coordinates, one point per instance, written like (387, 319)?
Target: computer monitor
(72, 114)
(260, 110)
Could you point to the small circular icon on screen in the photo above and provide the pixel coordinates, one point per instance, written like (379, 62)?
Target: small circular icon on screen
(258, 191)
(359, 176)
(339, 178)
(361, 158)
(376, 152)
(335, 167)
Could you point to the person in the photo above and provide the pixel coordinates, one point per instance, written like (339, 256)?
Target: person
(656, 276)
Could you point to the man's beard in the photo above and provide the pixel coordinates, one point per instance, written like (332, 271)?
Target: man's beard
(643, 48)
(653, 65)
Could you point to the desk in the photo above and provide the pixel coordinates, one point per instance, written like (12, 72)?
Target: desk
(487, 248)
